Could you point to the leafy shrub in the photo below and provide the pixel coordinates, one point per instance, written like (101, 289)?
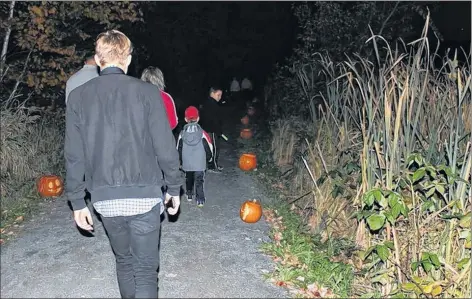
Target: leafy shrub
(32, 145)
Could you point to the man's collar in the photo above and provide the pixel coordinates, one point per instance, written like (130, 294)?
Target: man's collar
(111, 70)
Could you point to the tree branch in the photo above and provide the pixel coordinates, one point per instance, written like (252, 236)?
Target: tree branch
(6, 39)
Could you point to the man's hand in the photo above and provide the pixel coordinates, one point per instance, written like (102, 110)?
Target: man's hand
(175, 204)
(83, 218)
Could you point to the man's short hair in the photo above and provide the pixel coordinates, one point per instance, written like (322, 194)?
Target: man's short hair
(113, 47)
(215, 88)
(90, 59)
(154, 76)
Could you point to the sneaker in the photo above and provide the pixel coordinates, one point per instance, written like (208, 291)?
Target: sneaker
(220, 168)
(189, 197)
(214, 170)
(200, 204)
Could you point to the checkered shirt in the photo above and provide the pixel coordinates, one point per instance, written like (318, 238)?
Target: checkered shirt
(126, 206)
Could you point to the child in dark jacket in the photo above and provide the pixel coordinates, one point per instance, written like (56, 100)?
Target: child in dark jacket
(195, 151)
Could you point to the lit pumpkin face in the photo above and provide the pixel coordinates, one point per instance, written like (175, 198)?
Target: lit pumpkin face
(50, 186)
(247, 162)
(251, 111)
(245, 120)
(251, 211)
(246, 134)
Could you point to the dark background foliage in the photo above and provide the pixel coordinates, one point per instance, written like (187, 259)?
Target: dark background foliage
(197, 44)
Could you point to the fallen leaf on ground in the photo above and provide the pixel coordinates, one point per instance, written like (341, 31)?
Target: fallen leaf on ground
(281, 283)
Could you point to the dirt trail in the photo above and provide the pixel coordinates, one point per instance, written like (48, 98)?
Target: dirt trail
(207, 253)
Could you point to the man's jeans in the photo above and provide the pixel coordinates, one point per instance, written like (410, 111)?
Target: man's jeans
(135, 242)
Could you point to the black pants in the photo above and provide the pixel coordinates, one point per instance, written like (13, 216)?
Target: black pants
(216, 151)
(197, 179)
(135, 243)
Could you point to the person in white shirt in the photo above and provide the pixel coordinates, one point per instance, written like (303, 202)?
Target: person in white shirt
(246, 84)
(235, 86)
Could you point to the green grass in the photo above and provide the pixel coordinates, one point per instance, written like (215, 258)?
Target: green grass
(314, 257)
(314, 264)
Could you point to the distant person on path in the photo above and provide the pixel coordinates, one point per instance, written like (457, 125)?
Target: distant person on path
(86, 73)
(246, 90)
(195, 150)
(118, 135)
(246, 84)
(211, 120)
(234, 87)
(154, 76)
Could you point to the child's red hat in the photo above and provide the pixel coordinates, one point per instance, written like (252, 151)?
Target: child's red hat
(191, 113)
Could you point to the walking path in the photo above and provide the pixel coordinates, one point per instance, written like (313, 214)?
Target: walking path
(207, 253)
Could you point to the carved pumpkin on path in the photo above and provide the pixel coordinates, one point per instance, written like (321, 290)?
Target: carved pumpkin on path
(250, 211)
(245, 120)
(247, 162)
(246, 134)
(50, 186)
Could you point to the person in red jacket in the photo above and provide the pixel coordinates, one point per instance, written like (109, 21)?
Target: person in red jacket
(154, 76)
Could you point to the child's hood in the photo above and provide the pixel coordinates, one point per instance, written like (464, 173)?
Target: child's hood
(192, 134)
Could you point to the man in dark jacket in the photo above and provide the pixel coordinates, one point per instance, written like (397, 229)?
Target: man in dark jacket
(211, 120)
(118, 135)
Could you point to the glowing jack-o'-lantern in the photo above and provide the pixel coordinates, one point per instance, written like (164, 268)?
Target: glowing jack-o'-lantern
(247, 162)
(246, 133)
(251, 211)
(50, 186)
(245, 120)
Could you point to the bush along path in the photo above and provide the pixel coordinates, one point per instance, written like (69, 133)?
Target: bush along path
(207, 253)
(308, 265)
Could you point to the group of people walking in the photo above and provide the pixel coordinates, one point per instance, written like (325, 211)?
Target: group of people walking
(119, 145)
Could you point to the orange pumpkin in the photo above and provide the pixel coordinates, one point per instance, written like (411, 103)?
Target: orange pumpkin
(245, 120)
(251, 211)
(251, 111)
(50, 186)
(247, 162)
(246, 134)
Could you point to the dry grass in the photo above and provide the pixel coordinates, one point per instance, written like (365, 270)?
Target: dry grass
(378, 114)
(323, 212)
(31, 145)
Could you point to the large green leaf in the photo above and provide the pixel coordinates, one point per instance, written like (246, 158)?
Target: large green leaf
(383, 252)
(376, 222)
(418, 174)
(434, 260)
(427, 265)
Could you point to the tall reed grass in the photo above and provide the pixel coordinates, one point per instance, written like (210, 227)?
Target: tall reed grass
(398, 132)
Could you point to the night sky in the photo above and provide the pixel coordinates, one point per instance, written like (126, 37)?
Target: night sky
(453, 19)
(202, 43)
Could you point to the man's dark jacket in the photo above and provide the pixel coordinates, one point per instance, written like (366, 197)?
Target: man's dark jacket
(118, 135)
(211, 116)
